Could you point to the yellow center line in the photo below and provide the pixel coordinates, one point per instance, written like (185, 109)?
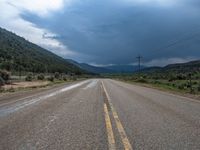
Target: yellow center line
(111, 140)
(124, 138)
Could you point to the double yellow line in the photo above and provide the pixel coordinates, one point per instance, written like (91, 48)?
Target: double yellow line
(110, 134)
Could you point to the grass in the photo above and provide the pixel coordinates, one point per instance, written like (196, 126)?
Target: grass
(177, 86)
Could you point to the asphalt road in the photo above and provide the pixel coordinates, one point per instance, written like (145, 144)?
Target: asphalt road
(99, 114)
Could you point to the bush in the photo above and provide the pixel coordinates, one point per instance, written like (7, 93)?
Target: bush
(64, 78)
(195, 82)
(2, 89)
(141, 80)
(57, 75)
(181, 77)
(51, 78)
(2, 82)
(181, 86)
(192, 91)
(198, 88)
(172, 77)
(5, 75)
(29, 77)
(156, 82)
(40, 77)
(74, 78)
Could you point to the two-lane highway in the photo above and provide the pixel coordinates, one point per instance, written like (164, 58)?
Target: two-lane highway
(99, 114)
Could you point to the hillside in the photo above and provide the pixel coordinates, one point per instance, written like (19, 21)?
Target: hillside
(90, 68)
(192, 66)
(18, 54)
(184, 67)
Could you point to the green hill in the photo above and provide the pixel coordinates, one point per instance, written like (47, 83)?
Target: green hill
(188, 67)
(18, 54)
(192, 66)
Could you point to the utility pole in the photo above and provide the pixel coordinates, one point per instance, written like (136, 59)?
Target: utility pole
(190, 82)
(139, 62)
(20, 68)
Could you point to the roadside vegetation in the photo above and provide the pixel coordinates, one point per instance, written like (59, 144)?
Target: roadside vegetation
(187, 83)
(11, 82)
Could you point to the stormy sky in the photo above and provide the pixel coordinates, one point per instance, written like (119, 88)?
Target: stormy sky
(106, 32)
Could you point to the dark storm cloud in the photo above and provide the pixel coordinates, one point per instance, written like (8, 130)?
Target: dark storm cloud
(115, 32)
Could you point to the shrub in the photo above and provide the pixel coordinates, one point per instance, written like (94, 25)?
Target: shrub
(198, 88)
(1, 89)
(5, 75)
(156, 82)
(74, 78)
(181, 77)
(51, 78)
(57, 75)
(29, 77)
(64, 78)
(40, 77)
(195, 82)
(181, 86)
(141, 80)
(192, 91)
(2, 82)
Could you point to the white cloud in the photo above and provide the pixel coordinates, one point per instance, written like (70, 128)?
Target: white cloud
(153, 2)
(101, 65)
(166, 61)
(39, 7)
(11, 20)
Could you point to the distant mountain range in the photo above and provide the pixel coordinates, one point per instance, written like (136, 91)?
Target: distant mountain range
(18, 54)
(106, 69)
(192, 66)
(176, 68)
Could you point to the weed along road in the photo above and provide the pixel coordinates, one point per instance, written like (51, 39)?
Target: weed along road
(99, 114)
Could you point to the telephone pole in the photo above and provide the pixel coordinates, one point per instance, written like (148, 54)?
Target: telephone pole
(139, 62)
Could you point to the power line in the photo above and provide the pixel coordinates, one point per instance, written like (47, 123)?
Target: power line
(179, 41)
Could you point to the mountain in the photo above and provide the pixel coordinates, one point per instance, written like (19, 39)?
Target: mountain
(18, 54)
(90, 68)
(184, 67)
(123, 68)
(95, 69)
(106, 69)
(191, 66)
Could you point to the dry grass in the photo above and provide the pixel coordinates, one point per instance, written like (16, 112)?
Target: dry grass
(32, 84)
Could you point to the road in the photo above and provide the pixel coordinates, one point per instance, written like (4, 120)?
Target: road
(100, 114)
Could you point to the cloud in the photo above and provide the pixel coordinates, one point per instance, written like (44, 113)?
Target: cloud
(109, 31)
(11, 19)
(101, 65)
(152, 2)
(39, 7)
